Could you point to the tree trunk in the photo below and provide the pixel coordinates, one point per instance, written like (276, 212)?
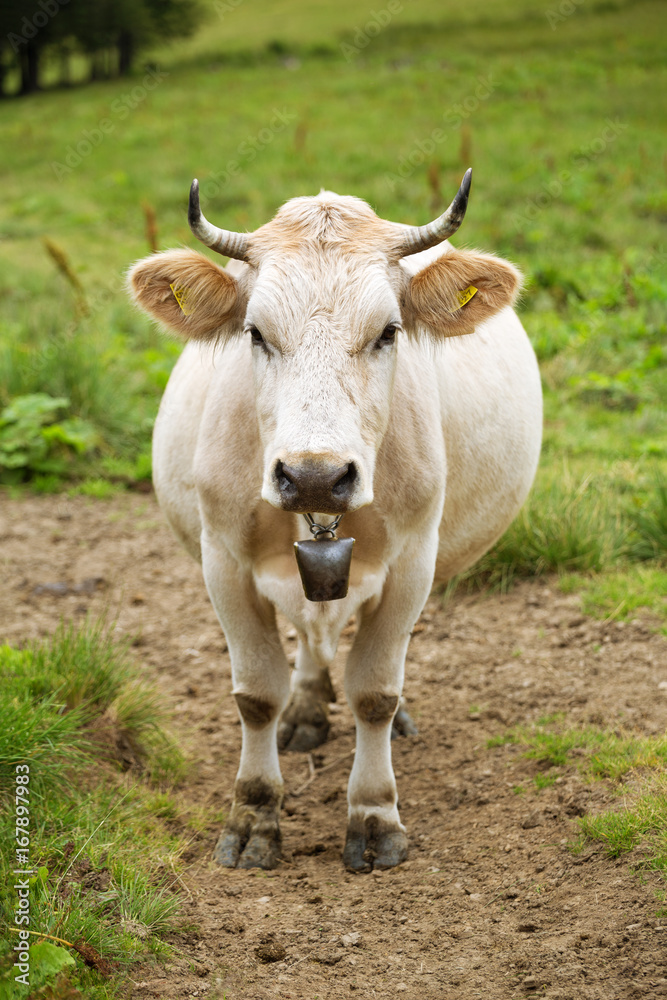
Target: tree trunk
(30, 68)
(65, 79)
(125, 52)
(97, 65)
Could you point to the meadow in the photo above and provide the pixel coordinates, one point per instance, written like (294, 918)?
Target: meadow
(559, 109)
(561, 118)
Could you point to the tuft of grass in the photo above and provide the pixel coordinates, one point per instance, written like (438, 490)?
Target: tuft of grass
(618, 593)
(650, 524)
(78, 689)
(100, 489)
(566, 525)
(601, 753)
(543, 781)
(141, 908)
(640, 824)
(74, 710)
(33, 727)
(602, 534)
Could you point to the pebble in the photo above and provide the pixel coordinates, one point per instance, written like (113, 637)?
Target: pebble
(328, 957)
(532, 820)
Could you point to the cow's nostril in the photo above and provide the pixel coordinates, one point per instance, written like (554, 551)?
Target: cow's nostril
(343, 488)
(286, 483)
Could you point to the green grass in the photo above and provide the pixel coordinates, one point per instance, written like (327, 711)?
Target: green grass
(641, 823)
(618, 594)
(543, 781)
(603, 533)
(602, 754)
(76, 718)
(571, 198)
(637, 767)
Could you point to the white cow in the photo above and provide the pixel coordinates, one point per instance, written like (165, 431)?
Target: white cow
(325, 372)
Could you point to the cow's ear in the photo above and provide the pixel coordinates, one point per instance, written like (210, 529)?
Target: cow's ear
(188, 293)
(458, 291)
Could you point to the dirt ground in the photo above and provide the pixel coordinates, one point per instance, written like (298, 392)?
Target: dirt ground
(491, 902)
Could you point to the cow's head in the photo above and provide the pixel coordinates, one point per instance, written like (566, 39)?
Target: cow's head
(323, 301)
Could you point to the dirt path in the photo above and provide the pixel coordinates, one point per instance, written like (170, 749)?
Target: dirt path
(490, 903)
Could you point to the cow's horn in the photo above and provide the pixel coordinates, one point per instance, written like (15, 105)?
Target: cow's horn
(221, 240)
(416, 238)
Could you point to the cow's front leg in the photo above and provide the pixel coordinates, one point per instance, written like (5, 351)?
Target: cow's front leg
(376, 837)
(304, 724)
(260, 672)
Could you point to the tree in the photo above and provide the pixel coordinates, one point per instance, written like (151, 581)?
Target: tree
(26, 28)
(110, 32)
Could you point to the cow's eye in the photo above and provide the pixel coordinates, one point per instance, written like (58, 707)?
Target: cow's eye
(256, 336)
(387, 336)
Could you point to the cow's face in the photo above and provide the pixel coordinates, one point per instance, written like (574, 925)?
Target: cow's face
(323, 303)
(323, 329)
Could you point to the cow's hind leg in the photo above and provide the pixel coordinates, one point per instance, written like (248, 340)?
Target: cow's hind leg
(304, 724)
(251, 837)
(402, 724)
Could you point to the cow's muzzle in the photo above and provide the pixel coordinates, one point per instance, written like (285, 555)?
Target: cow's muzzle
(312, 485)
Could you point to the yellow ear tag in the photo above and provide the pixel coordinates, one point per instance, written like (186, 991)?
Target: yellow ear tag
(181, 296)
(465, 296)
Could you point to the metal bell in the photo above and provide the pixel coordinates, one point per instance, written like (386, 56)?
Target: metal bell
(324, 565)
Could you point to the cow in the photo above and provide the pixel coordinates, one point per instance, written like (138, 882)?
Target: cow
(340, 365)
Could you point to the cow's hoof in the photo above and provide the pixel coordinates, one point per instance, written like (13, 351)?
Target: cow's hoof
(261, 850)
(365, 851)
(402, 725)
(390, 850)
(303, 736)
(356, 856)
(304, 724)
(251, 837)
(228, 849)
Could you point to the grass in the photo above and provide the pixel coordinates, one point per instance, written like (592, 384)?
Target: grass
(272, 87)
(641, 823)
(63, 691)
(604, 534)
(86, 739)
(619, 594)
(604, 754)
(636, 765)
